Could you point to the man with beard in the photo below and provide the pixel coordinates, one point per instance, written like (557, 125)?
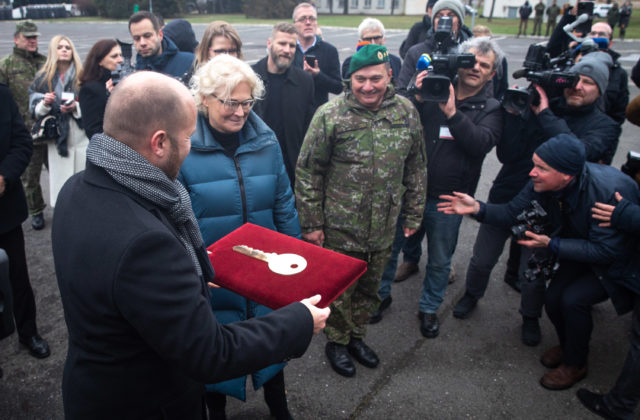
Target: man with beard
(288, 105)
(155, 52)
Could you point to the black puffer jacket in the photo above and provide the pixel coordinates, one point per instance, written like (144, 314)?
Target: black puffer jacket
(626, 218)
(596, 130)
(93, 101)
(455, 164)
(418, 33)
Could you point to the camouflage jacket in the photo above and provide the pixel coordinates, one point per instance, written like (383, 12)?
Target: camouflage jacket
(357, 167)
(18, 71)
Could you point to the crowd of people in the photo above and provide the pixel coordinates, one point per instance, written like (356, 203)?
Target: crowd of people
(366, 159)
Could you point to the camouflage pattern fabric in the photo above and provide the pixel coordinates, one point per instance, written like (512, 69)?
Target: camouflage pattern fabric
(18, 70)
(31, 178)
(350, 313)
(354, 169)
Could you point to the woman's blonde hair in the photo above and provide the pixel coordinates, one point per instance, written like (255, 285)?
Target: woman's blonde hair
(220, 76)
(216, 28)
(51, 65)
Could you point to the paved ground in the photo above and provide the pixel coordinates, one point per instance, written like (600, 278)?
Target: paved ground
(475, 369)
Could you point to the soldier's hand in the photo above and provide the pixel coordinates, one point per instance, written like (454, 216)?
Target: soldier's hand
(458, 203)
(319, 315)
(408, 231)
(316, 237)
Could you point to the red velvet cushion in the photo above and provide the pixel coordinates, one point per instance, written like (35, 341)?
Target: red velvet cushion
(328, 273)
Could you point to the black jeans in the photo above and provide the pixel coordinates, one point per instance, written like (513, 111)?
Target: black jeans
(568, 302)
(24, 304)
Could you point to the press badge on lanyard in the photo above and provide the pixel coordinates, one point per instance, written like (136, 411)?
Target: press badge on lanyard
(445, 134)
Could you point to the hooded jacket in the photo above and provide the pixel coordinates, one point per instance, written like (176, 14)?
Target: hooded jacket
(171, 61)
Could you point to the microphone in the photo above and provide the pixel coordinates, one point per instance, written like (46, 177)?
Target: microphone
(519, 73)
(423, 62)
(580, 20)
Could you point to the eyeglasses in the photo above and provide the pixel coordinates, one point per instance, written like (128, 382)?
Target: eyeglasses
(66, 47)
(595, 34)
(372, 38)
(223, 51)
(230, 105)
(303, 19)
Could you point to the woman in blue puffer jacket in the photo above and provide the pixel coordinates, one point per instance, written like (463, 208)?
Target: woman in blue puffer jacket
(235, 174)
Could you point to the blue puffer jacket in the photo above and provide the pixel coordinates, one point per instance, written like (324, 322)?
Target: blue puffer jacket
(227, 192)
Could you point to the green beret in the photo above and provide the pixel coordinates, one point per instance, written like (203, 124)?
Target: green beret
(27, 28)
(368, 55)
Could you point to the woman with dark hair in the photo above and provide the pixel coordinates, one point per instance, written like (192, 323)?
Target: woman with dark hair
(95, 83)
(54, 93)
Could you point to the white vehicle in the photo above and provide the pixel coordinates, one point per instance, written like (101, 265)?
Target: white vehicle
(601, 10)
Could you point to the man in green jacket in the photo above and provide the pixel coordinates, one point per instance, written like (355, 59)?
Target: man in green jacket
(362, 158)
(552, 15)
(18, 70)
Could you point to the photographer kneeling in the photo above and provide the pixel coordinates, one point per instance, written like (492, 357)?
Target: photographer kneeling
(589, 255)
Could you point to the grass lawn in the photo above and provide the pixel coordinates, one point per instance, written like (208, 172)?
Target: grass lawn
(498, 26)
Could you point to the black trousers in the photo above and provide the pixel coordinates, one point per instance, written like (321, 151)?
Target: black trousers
(568, 302)
(24, 304)
(625, 395)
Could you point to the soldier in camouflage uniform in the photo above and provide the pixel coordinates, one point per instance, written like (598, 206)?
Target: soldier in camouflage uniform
(18, 71)
(362, 156)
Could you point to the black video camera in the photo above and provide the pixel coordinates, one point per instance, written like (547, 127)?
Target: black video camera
(443, 66)
(534, 219)
(124, 69)
(550, 75)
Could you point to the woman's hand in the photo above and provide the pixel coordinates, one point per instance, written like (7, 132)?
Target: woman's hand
(49, 98)
(68, 108)
(109, 85)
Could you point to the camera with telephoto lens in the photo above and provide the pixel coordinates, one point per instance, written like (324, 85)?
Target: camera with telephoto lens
(541, 266)
(534, 219)
(550, 74)
(124, 69)
(442, 65)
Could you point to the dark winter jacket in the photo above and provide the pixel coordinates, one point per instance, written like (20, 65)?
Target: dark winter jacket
(626, 218)
(171, 61)
(455, 163)
(596, 130)
(525, 11)
(297, 108)
(328, 80)
(93, 101)
(417, 34)
(227, 192)
(635, 73)
(581, 239)
(616, 97)
(16, 147)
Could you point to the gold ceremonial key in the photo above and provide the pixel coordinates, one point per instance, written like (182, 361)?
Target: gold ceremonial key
(284, 264)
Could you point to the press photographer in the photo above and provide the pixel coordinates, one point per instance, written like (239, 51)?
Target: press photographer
(458, 134)
(590, 255)
(458, 33)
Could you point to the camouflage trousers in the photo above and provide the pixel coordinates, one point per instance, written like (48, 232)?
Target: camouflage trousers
(350, 313)
(31, 178)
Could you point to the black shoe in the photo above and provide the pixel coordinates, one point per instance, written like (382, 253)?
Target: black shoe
(362, 353)
(37, 221)
(513, 281)
(594, 402)
(377, 315)
(429, 326)
(339, 359)
(37, 346)
(465, 306)
(530, 331)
